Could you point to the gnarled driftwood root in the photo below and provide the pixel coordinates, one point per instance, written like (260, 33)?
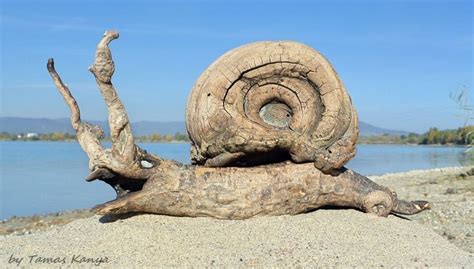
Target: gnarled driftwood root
(146, 183)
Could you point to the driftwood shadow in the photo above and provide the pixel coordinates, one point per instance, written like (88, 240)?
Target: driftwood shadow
(113, 218)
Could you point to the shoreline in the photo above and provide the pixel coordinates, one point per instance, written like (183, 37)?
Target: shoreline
(449, 145)
(105, 140)
(449, 189)
(21, 225)
(418, 172)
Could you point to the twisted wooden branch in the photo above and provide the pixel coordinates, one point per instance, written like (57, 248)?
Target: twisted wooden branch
(64, 90)
(125, 158)
(123, 144)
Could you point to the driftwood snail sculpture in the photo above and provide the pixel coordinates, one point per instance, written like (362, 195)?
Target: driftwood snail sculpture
(271, 126)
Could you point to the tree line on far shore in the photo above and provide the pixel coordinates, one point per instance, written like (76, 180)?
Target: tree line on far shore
(59, 136)
(460, 136)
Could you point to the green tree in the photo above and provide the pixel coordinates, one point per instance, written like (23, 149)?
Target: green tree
(432, 136)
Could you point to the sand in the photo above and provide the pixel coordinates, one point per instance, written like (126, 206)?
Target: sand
(451, 194)
(329, 237)
(324, 238)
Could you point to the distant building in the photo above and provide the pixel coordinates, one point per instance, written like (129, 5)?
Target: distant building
(31, 135)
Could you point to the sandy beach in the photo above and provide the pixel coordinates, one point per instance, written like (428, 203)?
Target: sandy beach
(451, 193)
(327, 237)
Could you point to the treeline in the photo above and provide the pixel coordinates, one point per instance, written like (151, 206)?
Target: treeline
(58, 136)
(163, 138)
(460, 136)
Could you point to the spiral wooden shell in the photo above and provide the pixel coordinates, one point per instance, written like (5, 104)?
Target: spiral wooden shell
(269, 99)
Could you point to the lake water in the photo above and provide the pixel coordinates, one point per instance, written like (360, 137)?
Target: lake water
(43, 177)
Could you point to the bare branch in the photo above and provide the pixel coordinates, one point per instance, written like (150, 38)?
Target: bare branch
(64, 90)
(88, 135)
(103, 68)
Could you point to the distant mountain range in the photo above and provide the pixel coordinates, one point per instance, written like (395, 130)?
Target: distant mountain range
(16, 125)
(369, 129)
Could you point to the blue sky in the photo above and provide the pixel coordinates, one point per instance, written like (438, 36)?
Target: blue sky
(398, 59)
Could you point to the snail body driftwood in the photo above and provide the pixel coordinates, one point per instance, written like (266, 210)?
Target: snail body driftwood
(146, 183)
(271, 97)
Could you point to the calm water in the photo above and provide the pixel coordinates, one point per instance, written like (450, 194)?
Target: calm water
(44, 177)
